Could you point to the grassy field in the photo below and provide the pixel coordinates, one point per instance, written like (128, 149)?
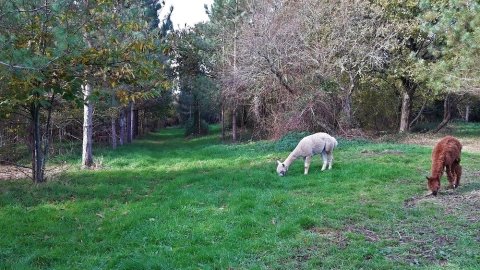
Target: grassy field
(169, 203)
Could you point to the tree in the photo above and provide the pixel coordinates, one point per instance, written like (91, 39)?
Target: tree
(347, 42)
(226, 19)
(412, 47)
(454, 27)
(198, 93)
(120, 57)
(39, 39)
(59, 49)
(294, 59)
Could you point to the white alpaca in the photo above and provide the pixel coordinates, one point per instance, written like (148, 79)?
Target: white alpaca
(318, 143)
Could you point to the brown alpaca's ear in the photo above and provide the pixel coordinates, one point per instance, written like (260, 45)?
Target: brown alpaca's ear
(428, 178)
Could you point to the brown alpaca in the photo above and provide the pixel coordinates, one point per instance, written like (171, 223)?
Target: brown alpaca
(445, 154)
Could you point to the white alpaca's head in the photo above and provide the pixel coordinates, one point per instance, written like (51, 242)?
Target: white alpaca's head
(281, 168)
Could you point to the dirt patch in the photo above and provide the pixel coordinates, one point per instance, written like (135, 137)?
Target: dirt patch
(336, 237)
(369, 235)
(471, 145)
(464, 205)
(418, 243)
(12, 172)
(370, 153)
(463, 201)
(8, 172)
(304, 254)
(424, 244)
(423, 241)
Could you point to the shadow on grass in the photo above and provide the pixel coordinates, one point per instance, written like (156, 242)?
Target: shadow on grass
(124, 185)
(198, 202)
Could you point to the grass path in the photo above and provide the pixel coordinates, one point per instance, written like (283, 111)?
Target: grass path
(169, 203)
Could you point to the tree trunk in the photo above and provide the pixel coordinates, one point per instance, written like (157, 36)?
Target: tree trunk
(199, 120)
(234, 125)
(32, 141)
(405, 114)
(467, 113)
(234, 112)
(37, 153)
(223, 123)
(347, 101)
(48, 135)
(141, 122)
(409, 88)
(242, 120)
(132, 123)
(196, 118)
(447, 113)
(410, 125)
(129, 124)
(87, 155)
(114, 132)
(347, 110)
(122, 127)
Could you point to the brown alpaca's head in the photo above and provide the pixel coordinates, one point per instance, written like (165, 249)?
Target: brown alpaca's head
(433, 185)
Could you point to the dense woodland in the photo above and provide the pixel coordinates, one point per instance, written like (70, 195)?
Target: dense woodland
(91, 72)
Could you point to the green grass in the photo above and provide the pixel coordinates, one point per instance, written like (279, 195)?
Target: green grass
(169, 203)
(466, 130)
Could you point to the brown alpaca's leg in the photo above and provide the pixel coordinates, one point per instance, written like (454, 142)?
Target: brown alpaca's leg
(458, 174)
(450, 176)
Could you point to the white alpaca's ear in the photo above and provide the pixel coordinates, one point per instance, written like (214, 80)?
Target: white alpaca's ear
(278, 162)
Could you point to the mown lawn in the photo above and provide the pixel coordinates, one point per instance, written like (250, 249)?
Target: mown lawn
(169, 203)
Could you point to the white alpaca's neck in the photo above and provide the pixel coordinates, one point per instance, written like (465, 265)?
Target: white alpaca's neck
(289, 160)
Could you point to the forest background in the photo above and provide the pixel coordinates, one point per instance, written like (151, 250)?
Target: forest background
(104, 72)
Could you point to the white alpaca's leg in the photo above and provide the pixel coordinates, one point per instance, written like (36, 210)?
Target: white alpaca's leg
(307, 163)
(330, 160)
(325, 161)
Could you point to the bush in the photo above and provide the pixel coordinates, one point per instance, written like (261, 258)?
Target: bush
(290, 140)
(377, 107)
(352, 142)
(192, 130)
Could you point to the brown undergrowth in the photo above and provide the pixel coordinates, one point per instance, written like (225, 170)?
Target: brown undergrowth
(9, 172)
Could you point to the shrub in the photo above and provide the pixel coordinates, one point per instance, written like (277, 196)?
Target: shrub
(191, 129)
(290, 140)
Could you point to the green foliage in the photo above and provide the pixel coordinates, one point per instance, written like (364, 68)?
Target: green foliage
(36, 54)
(424, 127)
(192, 128)
(384, 116)
(290, 141)
(153, 7)
(198, 93)
(48, 49)
(170, 203)
(14, 153)
(352, 143)
(455, 29)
